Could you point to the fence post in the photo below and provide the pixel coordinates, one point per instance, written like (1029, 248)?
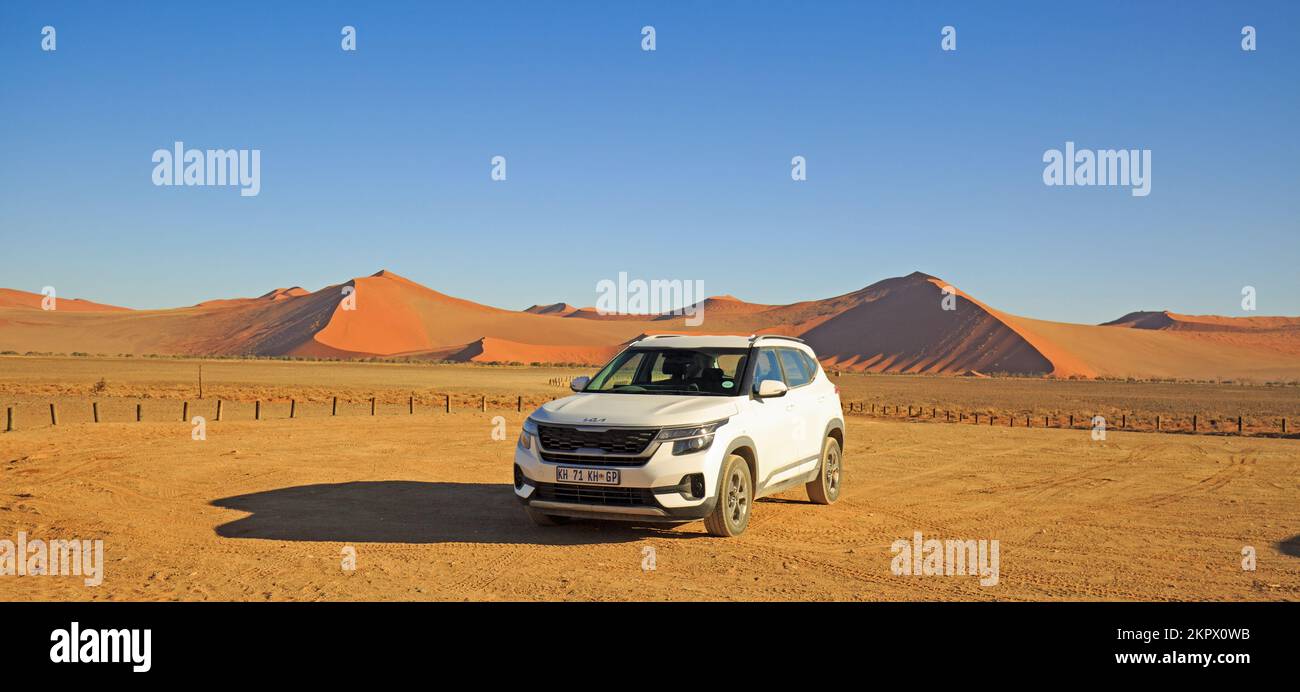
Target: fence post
(257, 410)
(139, 412)
(410, 405)
(334, 408)
(1123, 421)
(483, 403)
(1283, 426)
(218, 409)
(9, 420)
(947, 416)
(293, 408)
(1157, 423)
(1238, 424)
(977, 419)
(520, 407)
(1071, 420)
(447, 403)
(94, 409)
(1193, 422)
(372, 406)
(54, 415)
(185, 410)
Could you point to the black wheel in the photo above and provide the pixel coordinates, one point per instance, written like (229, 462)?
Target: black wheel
(825, 488)
(735, 500)
(542, 519)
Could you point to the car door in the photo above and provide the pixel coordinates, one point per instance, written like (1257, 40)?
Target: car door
(771, 429)
(802, 406)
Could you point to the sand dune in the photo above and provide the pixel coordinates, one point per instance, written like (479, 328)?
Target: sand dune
(13, 298)
(493, 350)
(893, 325)
(1271, 335)
(551, 309)
(899, 325)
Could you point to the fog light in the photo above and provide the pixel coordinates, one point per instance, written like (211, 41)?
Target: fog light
(697, 486)
(519, 477)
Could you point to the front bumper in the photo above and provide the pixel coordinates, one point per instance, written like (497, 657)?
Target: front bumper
(656, 491)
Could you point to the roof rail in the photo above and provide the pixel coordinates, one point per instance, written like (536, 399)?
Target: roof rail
(647, 337)
(757, 337)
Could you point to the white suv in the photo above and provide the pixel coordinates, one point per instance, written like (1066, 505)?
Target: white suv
(680, 428)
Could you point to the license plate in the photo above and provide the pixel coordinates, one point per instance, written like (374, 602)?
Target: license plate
(569, 474)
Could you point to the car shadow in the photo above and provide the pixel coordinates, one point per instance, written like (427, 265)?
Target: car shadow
(411, 512)
(784, 501)
(1290, 546)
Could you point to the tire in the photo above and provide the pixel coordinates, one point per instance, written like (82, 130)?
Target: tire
(825, 488)
(544, 519)
(735, 503)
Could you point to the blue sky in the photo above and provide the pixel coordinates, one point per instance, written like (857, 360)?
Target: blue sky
(666, 164)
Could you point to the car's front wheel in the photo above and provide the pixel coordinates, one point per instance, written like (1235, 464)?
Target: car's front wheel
(825, 488)
(730, 515)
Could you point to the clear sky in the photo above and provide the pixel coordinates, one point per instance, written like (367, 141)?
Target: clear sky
(666, 164)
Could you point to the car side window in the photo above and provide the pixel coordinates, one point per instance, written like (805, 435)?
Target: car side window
(796, 368)
(766, 367)
(812, 365)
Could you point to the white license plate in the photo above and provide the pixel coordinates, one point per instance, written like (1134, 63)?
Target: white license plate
(569, 474)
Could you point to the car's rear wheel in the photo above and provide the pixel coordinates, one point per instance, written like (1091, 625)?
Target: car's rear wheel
(825, 488)
(543, 519)
(730, 515)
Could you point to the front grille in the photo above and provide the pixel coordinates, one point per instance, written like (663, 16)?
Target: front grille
(595, 495)
(610, 441)
(593, 459)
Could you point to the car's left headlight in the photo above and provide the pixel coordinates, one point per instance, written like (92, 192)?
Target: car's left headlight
(528, 436)
(689, 440)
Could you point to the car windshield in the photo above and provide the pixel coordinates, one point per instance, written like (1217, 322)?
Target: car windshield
(679, 371)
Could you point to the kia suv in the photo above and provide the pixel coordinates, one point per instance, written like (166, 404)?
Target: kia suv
(682, 428)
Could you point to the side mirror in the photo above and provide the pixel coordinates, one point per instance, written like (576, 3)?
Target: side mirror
(771, 388)
(579, 383)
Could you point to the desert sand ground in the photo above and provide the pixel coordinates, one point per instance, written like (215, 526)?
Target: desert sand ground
(264, 510)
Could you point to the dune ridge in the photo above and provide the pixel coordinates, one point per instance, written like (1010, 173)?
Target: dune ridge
(894, 325)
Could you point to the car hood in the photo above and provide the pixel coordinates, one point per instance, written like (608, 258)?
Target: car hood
(642, 410)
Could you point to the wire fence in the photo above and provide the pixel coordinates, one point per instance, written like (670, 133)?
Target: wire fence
(1107, 418)
(32, 414)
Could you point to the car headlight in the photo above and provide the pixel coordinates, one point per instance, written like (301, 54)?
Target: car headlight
(689, 440)
(528, 434)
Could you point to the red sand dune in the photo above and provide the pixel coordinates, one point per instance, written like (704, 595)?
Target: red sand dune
(551, 309)
(493, 350)
(894, 325)
(1272, 334)
(13, 298)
